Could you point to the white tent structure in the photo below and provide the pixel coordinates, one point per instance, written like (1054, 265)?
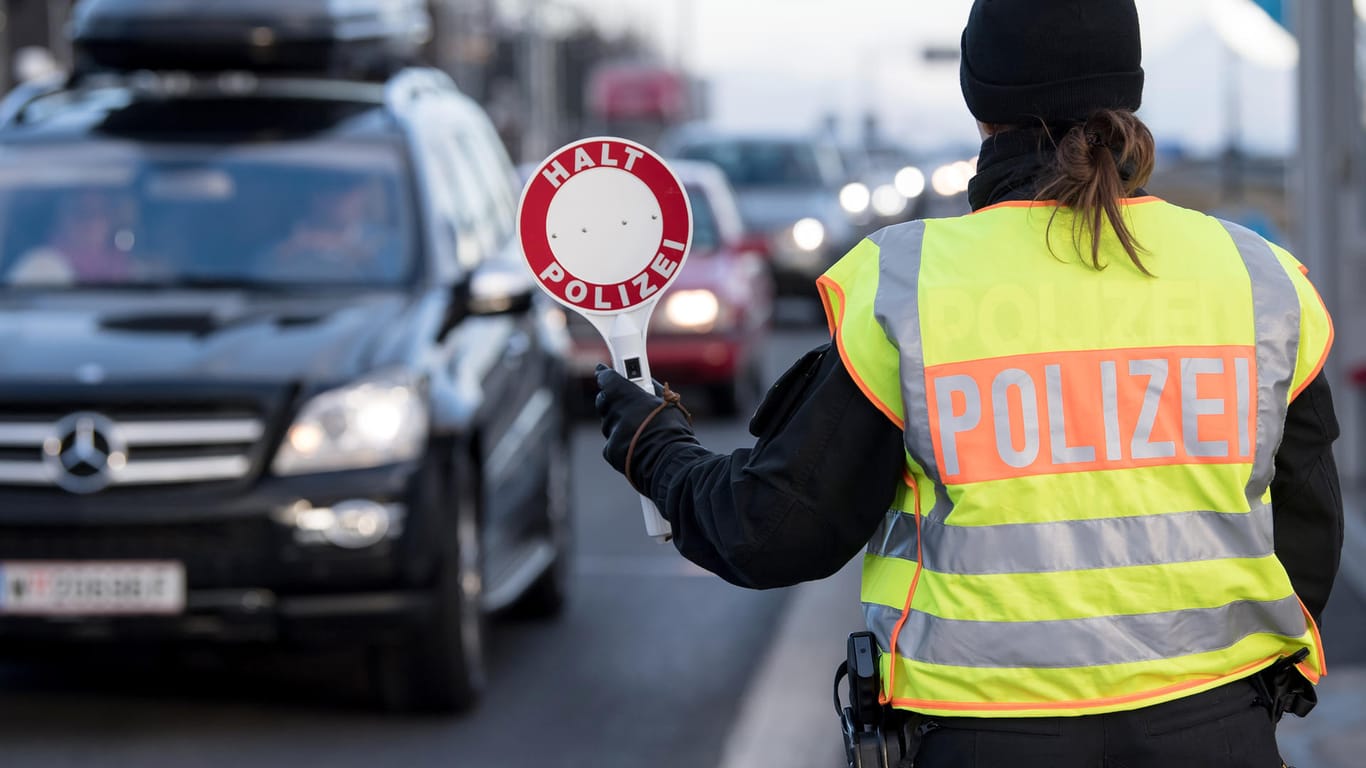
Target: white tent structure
(1240, 55)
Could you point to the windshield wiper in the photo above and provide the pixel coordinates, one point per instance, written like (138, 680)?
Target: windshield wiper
(220, 282)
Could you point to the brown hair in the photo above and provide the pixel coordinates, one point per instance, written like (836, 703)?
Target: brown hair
(1099, 163)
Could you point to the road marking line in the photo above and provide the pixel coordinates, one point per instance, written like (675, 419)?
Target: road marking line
(786, 717)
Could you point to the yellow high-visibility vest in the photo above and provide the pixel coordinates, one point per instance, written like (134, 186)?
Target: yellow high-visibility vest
(1085, 524)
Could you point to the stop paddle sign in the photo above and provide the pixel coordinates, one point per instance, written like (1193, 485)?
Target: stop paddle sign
(605, 227)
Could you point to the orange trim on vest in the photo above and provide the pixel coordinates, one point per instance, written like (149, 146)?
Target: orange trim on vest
(1054, 203)
(1019, 706)
(1326, 349)
(826, 282)
(910, 593)
(1304, 668)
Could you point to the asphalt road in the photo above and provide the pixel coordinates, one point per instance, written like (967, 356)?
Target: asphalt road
(647, 667)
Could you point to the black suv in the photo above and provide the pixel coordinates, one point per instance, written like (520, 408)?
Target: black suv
(272, 369)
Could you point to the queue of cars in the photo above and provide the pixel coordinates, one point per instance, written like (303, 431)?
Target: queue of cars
(271, 367)
(805, 200)
(710, 327)
(787, 188)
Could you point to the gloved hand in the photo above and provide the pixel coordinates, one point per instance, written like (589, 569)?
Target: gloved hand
(624, 407)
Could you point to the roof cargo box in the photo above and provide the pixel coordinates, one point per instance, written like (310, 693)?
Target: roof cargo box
(337, 38)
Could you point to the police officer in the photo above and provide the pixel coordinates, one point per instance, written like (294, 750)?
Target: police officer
(1082, 432)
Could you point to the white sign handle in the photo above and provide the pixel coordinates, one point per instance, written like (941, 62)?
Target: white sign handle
(605, 227)
(625, 337)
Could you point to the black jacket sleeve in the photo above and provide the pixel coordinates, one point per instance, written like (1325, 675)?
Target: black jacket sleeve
(1305, 496)
(803, 500)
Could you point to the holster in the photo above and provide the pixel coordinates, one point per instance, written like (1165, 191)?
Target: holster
(875, 735)
(1283, 689)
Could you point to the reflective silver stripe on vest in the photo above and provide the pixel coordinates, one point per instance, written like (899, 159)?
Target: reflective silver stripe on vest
(897, 309)
(891, 533)
(1077, 545)
(1083, 642)
(1276, 310)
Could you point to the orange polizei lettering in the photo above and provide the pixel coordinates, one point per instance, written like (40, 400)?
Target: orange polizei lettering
(1039, 414)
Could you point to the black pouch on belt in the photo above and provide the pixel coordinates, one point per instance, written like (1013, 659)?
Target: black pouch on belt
(1283, 689)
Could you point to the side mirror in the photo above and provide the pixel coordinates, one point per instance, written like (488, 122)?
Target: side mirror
(500, 287)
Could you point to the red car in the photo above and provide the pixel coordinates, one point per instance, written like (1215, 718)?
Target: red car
(709, 328)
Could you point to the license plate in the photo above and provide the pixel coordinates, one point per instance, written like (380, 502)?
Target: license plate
(84, 588)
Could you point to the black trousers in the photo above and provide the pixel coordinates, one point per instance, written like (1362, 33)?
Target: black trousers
(1227, 727)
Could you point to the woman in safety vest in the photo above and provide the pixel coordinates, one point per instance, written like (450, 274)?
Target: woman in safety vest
(1082, 433)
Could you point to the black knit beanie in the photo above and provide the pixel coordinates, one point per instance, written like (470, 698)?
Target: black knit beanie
(1051, 60)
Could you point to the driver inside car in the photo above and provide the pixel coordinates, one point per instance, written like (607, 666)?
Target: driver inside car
(343, 236)
(82, 246)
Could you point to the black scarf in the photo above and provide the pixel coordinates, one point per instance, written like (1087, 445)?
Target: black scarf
(1012, 163)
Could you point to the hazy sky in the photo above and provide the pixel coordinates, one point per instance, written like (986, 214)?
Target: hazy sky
(783, 63)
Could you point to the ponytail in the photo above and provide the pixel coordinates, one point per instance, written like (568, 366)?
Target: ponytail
(1099, 163)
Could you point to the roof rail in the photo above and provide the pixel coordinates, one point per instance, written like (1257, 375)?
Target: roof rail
(397, 94)
(16, 101)
(413, 83)
(173, 84)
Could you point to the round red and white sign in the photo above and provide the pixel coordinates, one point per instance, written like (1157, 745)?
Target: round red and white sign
(605, 225)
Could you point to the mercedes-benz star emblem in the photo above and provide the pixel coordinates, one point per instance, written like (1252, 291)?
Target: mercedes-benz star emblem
(84, 451)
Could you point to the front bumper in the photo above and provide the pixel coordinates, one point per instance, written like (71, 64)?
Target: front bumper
(242, 616)
(249, 575)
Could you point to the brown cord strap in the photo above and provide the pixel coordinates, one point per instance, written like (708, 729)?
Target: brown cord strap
(671, 398)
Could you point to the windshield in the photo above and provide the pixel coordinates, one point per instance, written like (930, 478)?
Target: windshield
(705, 235)
(754, 163)
(321, 213)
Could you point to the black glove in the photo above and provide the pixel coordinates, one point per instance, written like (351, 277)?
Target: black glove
(623, 407)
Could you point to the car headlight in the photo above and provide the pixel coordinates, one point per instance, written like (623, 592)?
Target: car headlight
(379, 420)
(952, 178)
(910, 182)
(808, 234)
(854, 198)
(694, 310)
(887, 201)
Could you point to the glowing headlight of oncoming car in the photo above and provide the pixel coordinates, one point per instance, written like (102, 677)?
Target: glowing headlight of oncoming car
(910, 182)
(854, 198)
(694, 310)
(887, 201)
(379, 420)
(808, 234)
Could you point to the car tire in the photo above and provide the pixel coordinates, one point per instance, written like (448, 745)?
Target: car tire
(547, 596)
(439, 665)
(740, 395)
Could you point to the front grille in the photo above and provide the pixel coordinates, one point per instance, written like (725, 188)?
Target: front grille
(86, 450)
(215, 554)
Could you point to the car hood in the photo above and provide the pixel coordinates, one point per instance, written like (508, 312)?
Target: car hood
(769, 210)
(180, 336)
